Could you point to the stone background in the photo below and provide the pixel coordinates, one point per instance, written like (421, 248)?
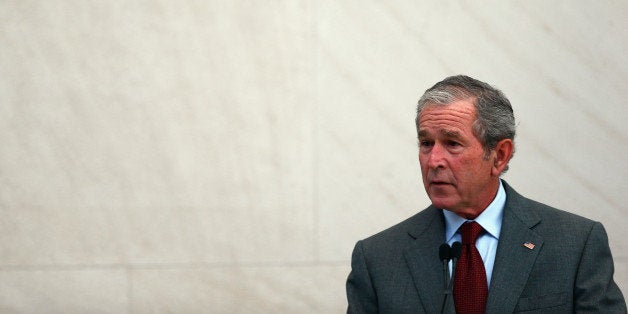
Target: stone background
(224, 156)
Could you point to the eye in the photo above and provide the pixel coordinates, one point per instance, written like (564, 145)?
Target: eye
(426, 143)
(453, 144)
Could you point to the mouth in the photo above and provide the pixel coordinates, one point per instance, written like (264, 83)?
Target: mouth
(439, 183)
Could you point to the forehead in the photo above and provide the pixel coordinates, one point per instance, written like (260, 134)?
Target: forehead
(455, 117)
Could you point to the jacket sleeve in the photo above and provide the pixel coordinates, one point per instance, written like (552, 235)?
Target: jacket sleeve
(595, 290)
(360, 292)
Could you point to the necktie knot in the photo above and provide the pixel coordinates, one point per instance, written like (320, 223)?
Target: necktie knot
(470, 232)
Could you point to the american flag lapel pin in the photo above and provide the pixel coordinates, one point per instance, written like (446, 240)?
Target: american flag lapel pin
(529, 245)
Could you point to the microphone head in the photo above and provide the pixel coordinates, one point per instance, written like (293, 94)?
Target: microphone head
(456, 250)
(444, 252)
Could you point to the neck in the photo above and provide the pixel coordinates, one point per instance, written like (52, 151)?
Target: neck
(472, 212)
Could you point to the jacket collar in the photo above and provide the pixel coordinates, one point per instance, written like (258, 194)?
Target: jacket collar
(513, 260)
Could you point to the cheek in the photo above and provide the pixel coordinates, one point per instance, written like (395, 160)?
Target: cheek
(467, 163)
(424, 171)
(469, 168)
(475, 169)
(422, 162)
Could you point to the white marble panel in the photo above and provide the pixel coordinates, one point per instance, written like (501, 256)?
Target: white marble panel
(63, 291)
(155, 235)
(156, 105)
(156, 132)
(226, 235)
(264, 289)
(43, 236)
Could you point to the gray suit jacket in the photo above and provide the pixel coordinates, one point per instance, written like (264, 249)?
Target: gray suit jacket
(570, 269)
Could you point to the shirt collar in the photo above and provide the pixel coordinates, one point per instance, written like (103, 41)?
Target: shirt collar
(490, 219)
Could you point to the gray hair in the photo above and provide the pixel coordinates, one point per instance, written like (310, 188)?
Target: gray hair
(495, 118)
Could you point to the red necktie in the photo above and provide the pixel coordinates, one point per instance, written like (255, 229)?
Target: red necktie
(470, 287)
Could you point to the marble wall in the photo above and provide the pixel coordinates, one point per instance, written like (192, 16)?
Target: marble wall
(224, 156)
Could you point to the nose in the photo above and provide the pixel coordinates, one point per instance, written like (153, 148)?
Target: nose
(436, 157)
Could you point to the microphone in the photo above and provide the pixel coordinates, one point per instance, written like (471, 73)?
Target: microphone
(454, 254)
(444, 253)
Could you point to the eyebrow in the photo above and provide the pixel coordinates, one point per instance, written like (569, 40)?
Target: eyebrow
(446, 133)
(450, 133)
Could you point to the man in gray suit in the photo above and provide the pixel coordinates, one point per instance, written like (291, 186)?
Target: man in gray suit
(535, 258)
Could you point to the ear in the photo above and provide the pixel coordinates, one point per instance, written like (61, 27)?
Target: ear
(501, 156)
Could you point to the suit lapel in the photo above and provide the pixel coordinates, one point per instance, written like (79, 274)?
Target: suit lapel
(422, 259)
(513, 260)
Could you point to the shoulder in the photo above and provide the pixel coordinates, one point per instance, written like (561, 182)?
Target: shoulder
(546, 219)
(575, 255)
(404, 232)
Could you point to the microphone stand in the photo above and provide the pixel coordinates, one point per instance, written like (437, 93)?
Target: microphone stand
(444, 253)
(455, 252)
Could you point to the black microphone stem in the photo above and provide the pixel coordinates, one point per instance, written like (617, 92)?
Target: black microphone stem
(456, 251)
(447, 289)
(454, 262)
(444, 253)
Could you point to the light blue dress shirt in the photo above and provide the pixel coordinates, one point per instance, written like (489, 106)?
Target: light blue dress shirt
(491, 220)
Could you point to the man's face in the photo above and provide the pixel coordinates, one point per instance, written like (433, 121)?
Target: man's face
(456, 175)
